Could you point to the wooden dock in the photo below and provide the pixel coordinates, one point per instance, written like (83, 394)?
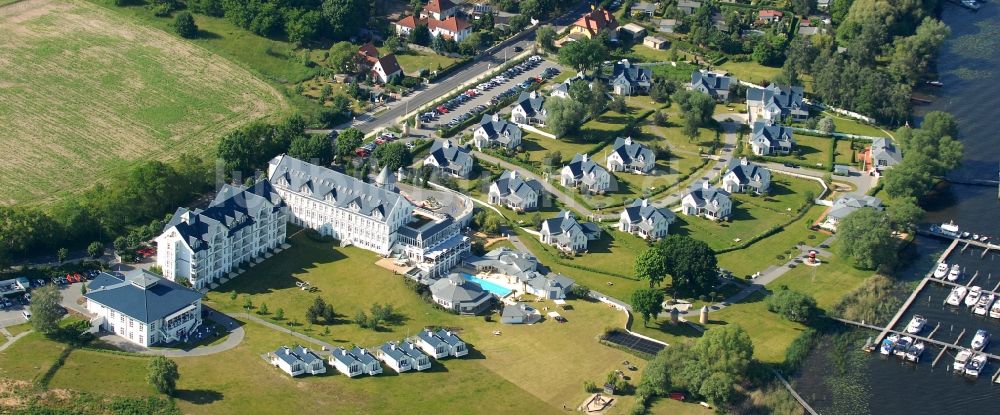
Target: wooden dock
(944, 349)
(902, 310)
(940, 343)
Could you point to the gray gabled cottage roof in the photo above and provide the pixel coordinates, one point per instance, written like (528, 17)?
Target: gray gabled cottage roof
(446, 153)
(499, 129)
(641, 210)
(774, 96)
(847, 204)
(704, 195)
(344, 356)
(530, 102)
(143, 296)
(772, 134)
(581, 166)
(747, 172)
(633, 152)
(624, 72)
(511, 183)
(710, 82)
(884, 149)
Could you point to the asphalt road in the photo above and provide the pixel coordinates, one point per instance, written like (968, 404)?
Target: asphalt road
(480, 65)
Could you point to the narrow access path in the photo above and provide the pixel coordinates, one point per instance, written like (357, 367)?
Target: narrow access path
(276, 327)
(11, 340)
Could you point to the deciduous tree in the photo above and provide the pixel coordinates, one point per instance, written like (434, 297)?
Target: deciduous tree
(792, 305)
(647, 302)
(563, 116)
(162, 374)
(45, 309)
(865, 236)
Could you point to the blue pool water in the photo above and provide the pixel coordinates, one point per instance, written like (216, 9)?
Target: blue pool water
(494, 288)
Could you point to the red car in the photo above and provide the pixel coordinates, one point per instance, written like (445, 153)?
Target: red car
(442, 110)
(361, 152)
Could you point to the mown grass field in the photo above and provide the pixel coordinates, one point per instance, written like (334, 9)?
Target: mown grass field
(86, 93)
(815, 151)
(541, 364)
(752, 215)
(527, 369)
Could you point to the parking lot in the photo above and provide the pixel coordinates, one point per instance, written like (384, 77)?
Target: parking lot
(484, 97)
(13, 313)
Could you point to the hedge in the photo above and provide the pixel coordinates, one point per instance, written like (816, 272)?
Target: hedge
(772, 231)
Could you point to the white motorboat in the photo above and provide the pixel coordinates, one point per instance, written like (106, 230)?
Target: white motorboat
(916, 324)
(956, 271)
(995, 310)
(888, 343)
(964, 234)
(956, 296)
(961, 359)
(975, 365)
(975, 237)
(984, 238)
(941, 270)
(980, 340)
(974, 293)
(913, 354)
(984, 303)
(902, 346)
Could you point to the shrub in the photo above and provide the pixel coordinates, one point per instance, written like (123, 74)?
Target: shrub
(185, 26)
(792, 305)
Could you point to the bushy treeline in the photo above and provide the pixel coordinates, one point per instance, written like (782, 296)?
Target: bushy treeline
(888, 48)
(143, 193)
(298, 21)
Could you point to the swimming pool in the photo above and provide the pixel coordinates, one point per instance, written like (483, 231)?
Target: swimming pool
(497, 289)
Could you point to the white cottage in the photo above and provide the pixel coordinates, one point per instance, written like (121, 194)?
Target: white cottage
(708, 201)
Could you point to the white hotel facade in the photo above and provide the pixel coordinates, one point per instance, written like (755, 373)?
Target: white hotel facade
(205, 247)
(371, 216)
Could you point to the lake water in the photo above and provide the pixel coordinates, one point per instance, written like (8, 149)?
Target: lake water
(969, 67)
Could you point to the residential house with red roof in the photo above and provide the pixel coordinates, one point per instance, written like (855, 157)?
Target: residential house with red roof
(594, 22)
(381, 68)
(439, 10)
(454, 28)
(769, 15)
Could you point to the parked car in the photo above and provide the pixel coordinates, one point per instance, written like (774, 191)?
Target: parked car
(26, 314)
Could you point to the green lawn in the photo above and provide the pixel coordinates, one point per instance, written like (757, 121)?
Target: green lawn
(276, 60)
(844, 151)
(531, 369)
(810, 149)
(751, 215)
(851, 126)
(29, 358)
(770, 333)
(664, 406)
(536, 146)
(525, 357)
(750, 71)
(827, 282)
(18, 329)
(619, 287)
(89, 92)
(414, 61)
(764, 253)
